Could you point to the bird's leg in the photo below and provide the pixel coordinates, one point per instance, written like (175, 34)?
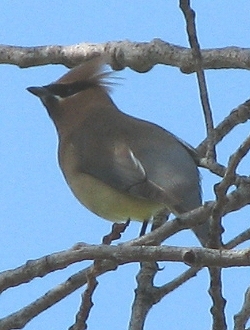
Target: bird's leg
(143, 228)
(159, 219)
(127, 223)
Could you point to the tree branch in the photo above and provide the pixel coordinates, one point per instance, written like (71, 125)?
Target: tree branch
(243, 316)
(189, 15)
(237, 116)
(144, 297)
(139, 56)
(219, 303)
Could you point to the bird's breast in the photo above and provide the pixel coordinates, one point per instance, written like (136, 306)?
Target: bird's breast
(100, 198)
(108, 202)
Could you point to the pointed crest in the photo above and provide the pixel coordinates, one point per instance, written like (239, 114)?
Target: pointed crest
(89, 73)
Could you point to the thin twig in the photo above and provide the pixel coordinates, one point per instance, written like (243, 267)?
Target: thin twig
(241, 318)
(218, 308)
(144, 294)
(116, 231)
(219, 303)
(233, 163)
(189, 15)
(235, 200)
(239, 239)
(237, 116)
(144, 299)
(45, 265)
(222, 188)
(86, 303)
(165, 289)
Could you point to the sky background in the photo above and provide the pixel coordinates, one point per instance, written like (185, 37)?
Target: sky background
(38, 213)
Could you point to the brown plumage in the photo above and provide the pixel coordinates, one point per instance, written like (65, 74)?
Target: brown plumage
(118, 166)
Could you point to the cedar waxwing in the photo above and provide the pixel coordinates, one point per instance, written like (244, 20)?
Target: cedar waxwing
(118, 166)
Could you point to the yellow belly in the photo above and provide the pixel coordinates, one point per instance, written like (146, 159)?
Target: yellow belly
(109, 203)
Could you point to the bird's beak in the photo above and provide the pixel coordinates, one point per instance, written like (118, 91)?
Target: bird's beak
(39, 91)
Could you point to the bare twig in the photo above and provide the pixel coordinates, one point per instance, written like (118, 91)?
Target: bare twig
(40, 267)
(92, 272)
(230, 173)
(144, 295)
(86, 304)
(243, 316)
(237, 116)
(222, 188)
(20, 318)
(218, 308)
(189, 15)
(242, 237)
(116, 231)
(175, 283)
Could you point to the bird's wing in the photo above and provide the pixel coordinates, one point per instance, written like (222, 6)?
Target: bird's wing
(116, 165)
(146, 162)
(130, 172)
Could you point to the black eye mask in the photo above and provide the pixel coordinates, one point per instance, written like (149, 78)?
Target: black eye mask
(65, 90)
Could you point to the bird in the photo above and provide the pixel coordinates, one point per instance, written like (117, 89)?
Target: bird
(118, 166)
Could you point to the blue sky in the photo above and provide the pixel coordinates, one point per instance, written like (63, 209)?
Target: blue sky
(39, 215)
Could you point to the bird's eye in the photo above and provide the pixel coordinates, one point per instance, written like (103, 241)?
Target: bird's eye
(66, 90)
(62, 90)
(69, 91)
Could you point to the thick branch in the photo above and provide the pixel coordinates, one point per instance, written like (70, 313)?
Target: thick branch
(39, 268)
(139, 56)
(122, 254)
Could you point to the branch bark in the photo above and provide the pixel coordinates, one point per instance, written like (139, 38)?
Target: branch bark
(139, 56)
